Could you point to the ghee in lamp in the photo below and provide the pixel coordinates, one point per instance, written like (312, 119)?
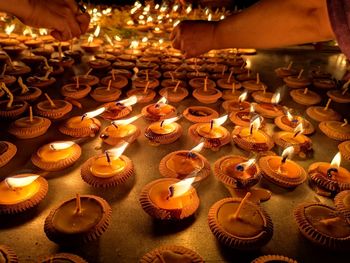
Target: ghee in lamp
(164, 132)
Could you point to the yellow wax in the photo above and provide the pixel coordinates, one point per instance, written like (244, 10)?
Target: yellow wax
(77, 122)
(288, 169)
(164, 129)
(206, 131)
(50, 155)
(289, 137)
(103, 169)
(256, 136)
(10, 196)
(121, 131)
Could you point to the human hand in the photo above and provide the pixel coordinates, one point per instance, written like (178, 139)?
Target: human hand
(194, 37)
(63, 17)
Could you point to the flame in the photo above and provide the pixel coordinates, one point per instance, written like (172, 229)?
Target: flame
(144, 40)
(288, 152)
(243, 96)
(118, 38)
(176, 23)
(170, 120)
(210, 16)
(109, 40)
(147, 8)
(130, 23)
(163, 100)
(198, 148)
(161, 41)
(248, 163)
(27, 31)
(129, 101)
(157, 29)
(299, 129)
(181, 188)
(116, 152)
(17, 182)
(220, 121)
(252, 108)
(97, 31)
(9, 29)
(276, 98)
(34, 36)
(133, 10)
(289, 116)
(163, 8)
(222, 17)
(336, 160)
(91, 38)
(188, 9)
(134, 44)
(255, 123)
(56, 146)
(42, 31)
(156, 7)
(149, 19)
(126, 121)
(92, 114)
(141, 17)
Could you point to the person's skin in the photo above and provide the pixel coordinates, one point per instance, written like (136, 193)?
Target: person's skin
(266, 24)
(63, 17)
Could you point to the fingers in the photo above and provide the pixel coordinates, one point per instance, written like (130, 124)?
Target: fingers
(72, 5)
(83, 21)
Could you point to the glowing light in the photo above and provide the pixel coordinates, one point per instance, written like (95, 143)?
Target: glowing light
(97, 31)
(130, 23)
(181, 188)
(243, 96)
(176, 23)
(149, 19)
(248, 163)
(27, 31)
(288, 152)
(276, 98)
(91, 38)
(189, 9)
(129, 101)
(156, 7)
(171, 120)
(144, 40)
(336, 160)
(198, 148)
(163, 100)
(210, 16)
(252, 108)
(134, 44)
(56, 146)
(9, 29)
(17, 182)
(255, 123)
(220, 121)
(109, 40)
(222, 17)
(92, 114)
(289, 116)
(42, 31)
(141, 17)
(117, 38)
(161, 41)
(126, 121)
(299, 129)
(116, 152)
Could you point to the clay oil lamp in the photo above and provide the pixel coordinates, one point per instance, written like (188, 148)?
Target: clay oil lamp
(78, 220)
(340, 95)
(26, 93)
(171, 73)
(329, 178)
(152, 73)
(262, 96)
(172, 81)
(197, 74)
(45, 37)
(32, 60)
(9, 38)
(344, 149)
(175, 93)
(17, 69)
(296, 82)
(324, 83)
(45, 51)
(7, 152)
(75, 90)
(170, 253)
(10, 109)
(123, 72)
(91, 46)
(184, 164)
(119, 109)
(170, 199)
(239, 70)
(336, 130)
(243, 118)
(83, 126)
(200, 114)
(14, 50)
(282, 171)
(141, 82)
(26, 35)
(320, 113)
(109, 57)
(270, 110)
(109, 169)
(86, 79)
(62, 45)
(53, 109)
(106, 94)
(237, 105)
(165, 131)
(61, 59)
(286, 71)
(201, 82)
(240, 224)
(214, 135)
(305, 97)
(251, 138)
(144, 95)
(133, 50)
(99, 64)
(29, 127)
(341, 203)
(117, 81)
(158, 111)
(121, 130)
(8, 254)
(43, 81)
(7, 79)
(301, 143)
(34, 42)
(228, 83)
(246, 77)
(21, 192)
(62, 257)
(254, 85)
(289, 122)
(56, 156)
(119, 64)
(323, 226)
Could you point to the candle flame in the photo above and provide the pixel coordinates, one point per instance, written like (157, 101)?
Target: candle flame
(181, 188)
(210, 16)
(289, 116)
(27, 31)
(9, 29)
(243, 96)
(299, 129)
(198, 148)
(130, 23)
(116, 152)
(126, 121)
(56, 146)
(163, 100)
(288, 152)
(156, 7)
(222, 17)
(144, 40)
(255, 123)
(276, 98)
(252, 108)
(129, 101)
(92, 114)
(97, 31)
(176, 23)
(149, 19)
(161, 41)
(91, 38)
(220, 121)
(248, 163)
(43, 31)
(17, 182)
(171, 120)
(109, 40)
(336, 160)
(134, 44)
(188, 9)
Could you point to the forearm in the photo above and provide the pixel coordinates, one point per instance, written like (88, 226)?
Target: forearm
(271, 23)
(14, 7)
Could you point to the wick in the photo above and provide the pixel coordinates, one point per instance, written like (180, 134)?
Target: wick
(230, 76)
(236, 214)
(113, 75)
(284, 159)
(177, 85)
(71, 45)
(171, 192)
(161, 124)
(206, 84)
(296, 134)
(78, 204)
(88, 73)
(233, 87)
(9, 94)
(306, 90)
(332, 171)
(327, 105)
(146, 87)
(257, 78)
(108, 157)
(248, 73)
(172, 76)
(147, 75)
(223, 70)
(115, 125)
(251, 129)
(109, 84)
(344, 91)
(77, 85)
(290, 65)
(211, 124)
(329, 221)
(345, 123)
(4, 70)
(50, 100)
(300, 73)
(30, 114)
(23, 87)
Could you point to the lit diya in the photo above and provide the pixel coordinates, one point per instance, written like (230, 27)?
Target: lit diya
(108, 169)
(213, 134)
(199, 114)
(182, 164)
(121, 130)
(62, 257)
(342, 204)
(254, 85)
(329, 178)
(305, 97)
(43, 81)
(106, 94)
(26, 93)
(201, 82)
(262, 96)
(237, 105)
(282, 171)
(75, 90)
(10, 109)
(53, 109)
(286, 71)
(240, 224)
(244, 117)
(78, 220)
(170, 199)
(119, 109)
(56, 156)
(340, 95)
(164, 132)
(158, 111)
(205, 94)
(251, 138)
(171, 253)
(336, 130)
(29, 127)
(319, 113)
(301, 143)
(175, 93)
(270, 110)
(144, 95)
(323, 226)
(90, 45)
(117, 81)
(289, 122)
(21, 192)
(86, 79)
(297, 82)
(83, 126)
(7, 152)
(99, 64)
(232, 94)
(8, 255)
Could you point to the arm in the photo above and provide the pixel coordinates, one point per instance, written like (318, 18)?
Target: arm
(267, 24)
